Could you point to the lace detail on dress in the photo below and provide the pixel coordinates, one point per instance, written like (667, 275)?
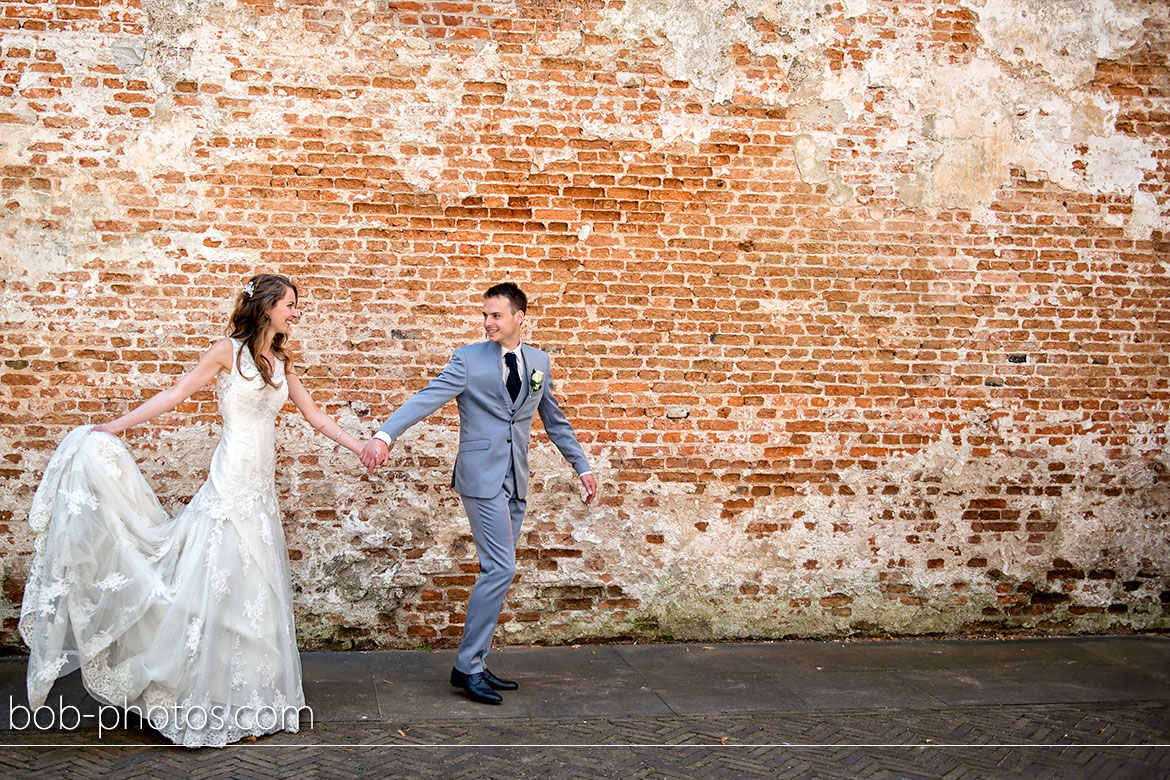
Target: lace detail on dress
(185, 621)
(219, 585)
(109, 456)
(194, 635)
(105, 679)
(78, 499)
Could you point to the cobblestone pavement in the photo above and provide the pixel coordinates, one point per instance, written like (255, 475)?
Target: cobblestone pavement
(1037, 741)
(1088, 708)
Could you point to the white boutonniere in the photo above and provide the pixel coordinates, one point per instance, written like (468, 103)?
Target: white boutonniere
(536, 381)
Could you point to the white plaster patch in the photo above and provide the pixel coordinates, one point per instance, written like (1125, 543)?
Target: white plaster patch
(424, 172)
(808, 159)
(1064, 38)
(128, 53)
(856, 8)
(486, 65)
(26, 248)
(989, 112)
(699, 34)
(809, 153)
(1116, 163)
(163, 146)
(1145, 218)
(565, 42)
(684, 128)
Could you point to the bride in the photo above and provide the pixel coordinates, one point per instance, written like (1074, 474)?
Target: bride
(185, 622)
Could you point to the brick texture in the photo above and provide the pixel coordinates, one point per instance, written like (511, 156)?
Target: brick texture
(860, 311)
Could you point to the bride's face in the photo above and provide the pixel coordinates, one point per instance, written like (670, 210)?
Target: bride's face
(284, 313)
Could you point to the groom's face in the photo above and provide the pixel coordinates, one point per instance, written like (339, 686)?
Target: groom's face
(500, 323)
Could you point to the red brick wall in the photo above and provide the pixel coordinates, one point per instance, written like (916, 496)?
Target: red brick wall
(859, 314)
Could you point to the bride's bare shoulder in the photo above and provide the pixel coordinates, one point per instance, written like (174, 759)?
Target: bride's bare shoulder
(221, 352)
(222, 346)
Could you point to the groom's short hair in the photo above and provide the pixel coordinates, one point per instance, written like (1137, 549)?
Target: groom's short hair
(516, 297)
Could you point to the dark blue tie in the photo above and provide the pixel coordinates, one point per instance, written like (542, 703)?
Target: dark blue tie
(513, 382)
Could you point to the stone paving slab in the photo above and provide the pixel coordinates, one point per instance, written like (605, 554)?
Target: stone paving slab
(1096, 707)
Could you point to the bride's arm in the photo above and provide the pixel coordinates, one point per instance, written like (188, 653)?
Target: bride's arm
(317, 418)
(217, 358)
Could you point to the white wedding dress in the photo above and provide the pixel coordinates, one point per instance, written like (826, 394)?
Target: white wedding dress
(187, 622)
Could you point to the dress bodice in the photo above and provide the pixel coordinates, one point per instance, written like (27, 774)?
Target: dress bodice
(244, 462)
(245, 401)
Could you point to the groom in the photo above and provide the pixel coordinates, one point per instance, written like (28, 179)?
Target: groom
(499, 385)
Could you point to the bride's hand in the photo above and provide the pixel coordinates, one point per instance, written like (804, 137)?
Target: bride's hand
(106, 428)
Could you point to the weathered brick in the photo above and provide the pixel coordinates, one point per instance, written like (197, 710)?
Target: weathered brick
(821, 348)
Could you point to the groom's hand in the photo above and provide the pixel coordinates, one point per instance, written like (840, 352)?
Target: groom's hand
(374, 454)
(590, 487)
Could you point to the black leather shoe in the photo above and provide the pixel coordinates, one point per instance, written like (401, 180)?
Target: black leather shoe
(497, 683)
(476, 687)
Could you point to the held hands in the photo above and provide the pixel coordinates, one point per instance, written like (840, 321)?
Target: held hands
(374, 455)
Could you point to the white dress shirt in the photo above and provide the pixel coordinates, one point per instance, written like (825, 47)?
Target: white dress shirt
(519, 365)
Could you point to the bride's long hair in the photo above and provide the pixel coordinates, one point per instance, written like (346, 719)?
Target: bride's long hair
(250, 319)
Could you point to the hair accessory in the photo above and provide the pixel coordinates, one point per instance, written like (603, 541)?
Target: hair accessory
(249, 288)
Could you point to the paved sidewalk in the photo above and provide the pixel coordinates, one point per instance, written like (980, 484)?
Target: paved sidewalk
(1073, 707)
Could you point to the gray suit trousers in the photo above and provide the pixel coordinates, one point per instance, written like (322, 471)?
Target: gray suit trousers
(495, 527)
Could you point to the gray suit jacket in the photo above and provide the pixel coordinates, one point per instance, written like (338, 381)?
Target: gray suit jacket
(494, 432)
